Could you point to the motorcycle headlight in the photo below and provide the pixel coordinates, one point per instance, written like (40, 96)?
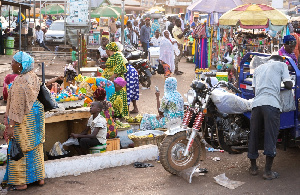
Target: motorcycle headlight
(191, 94)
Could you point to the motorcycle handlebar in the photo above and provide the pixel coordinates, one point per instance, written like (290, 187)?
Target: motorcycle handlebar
(231, 86)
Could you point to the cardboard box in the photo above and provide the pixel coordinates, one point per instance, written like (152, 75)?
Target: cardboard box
(112, 144)
(91, 63)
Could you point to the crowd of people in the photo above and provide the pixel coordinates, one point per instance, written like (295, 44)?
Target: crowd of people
(150, 33)
(25, 116)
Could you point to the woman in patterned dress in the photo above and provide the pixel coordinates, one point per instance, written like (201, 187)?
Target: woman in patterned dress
(107, 112)
(132, 86)
(115, 67)
(26, 125)
(170, 107)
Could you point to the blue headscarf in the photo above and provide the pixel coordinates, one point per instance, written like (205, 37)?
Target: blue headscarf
(171, 92)
(25, 60)
(173, 99)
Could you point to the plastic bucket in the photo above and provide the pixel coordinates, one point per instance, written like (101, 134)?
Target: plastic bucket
(98, 149)
(10, 42)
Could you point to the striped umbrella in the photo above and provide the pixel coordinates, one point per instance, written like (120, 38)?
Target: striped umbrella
(253, 16)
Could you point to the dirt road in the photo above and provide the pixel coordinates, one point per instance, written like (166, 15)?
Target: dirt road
(155, 180)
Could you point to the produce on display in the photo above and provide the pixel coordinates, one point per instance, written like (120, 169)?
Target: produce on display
(119, 124)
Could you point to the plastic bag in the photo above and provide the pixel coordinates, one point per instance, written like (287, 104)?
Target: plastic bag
(224, 181)
(15, 150)
(71, 141)
(57, 150)
(287, 100)
(229, 103)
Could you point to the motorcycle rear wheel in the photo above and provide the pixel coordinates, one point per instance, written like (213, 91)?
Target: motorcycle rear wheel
(144, 79)
(171, 153)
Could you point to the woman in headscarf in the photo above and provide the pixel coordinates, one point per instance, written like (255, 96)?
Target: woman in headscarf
(115, 65)
(170, 107)
(26, 125)
(168, 46)
(107, 112)
(119, 98)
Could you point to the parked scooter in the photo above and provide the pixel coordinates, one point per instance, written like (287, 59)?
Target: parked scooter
(141, 65)
(181, 148)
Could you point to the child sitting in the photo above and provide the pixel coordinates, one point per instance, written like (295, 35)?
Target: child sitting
(97, 124)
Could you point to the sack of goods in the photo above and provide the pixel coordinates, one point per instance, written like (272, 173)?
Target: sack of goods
(229, 103)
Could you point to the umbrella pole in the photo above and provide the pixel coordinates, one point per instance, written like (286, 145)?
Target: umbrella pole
(253, 31)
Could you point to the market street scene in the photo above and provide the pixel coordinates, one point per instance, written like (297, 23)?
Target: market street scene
(149, 97)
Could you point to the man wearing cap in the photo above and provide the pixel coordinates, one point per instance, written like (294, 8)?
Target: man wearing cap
(289, 44)
(179, 36)
(145, 36)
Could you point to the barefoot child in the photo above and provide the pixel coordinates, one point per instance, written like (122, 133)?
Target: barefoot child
(97, 125)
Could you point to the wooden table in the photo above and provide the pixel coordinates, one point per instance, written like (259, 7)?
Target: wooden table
(60, 125)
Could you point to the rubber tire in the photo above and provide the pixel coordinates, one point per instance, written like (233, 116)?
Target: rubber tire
(223, 145)
(147, 81)
(166, 147)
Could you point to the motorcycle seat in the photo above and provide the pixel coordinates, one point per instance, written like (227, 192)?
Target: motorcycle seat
(133, 61)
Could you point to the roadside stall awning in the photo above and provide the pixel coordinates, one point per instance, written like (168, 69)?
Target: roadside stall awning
(106, 11)
(209, 6)
(253, 16)
(16, 4)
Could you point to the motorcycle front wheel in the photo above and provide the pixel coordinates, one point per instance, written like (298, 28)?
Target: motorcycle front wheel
(171, 153)
(144, 79)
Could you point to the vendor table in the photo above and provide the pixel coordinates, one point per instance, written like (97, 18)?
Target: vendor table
(59, 125)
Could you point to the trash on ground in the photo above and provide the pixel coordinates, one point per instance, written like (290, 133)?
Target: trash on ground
(214, 150)
(142, 165)
(216, 158)
(187, 174)
(224, 181)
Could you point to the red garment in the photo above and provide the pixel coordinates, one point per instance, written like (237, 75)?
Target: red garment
(7, 80)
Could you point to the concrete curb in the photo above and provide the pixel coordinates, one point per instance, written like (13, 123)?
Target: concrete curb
(92, 162)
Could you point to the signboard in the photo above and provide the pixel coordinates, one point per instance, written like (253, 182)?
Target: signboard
(278, 4)
(78, 12)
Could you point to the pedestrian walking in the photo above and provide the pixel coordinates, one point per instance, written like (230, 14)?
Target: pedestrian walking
(179, 36)
(145, 36)
(40, 37)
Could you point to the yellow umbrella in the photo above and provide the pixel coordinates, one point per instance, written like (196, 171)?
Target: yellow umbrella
(157, 8)
(253, 15)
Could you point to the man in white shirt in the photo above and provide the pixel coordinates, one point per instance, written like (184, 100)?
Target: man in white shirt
(135, 34)
(155, 41)
(182, 17)
(40, 37)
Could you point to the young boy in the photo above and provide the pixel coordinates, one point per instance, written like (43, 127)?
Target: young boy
(97, 125)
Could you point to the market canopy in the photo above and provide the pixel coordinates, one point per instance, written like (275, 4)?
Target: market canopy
(209, 6)
(106, 11)
(53, 9)
(253, 16)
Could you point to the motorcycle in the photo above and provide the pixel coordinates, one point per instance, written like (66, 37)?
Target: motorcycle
(141, 65)
(202, 122)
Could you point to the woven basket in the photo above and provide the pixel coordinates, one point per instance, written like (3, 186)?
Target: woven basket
(148, 140)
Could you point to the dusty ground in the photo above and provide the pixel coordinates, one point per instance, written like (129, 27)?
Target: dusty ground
(155, 180)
